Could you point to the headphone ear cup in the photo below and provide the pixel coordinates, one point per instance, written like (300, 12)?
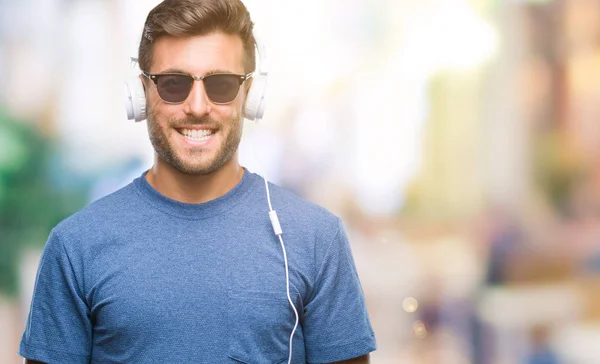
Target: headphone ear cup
(255, 100)
(135, 99)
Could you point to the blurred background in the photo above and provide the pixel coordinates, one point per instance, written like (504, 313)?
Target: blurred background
(458, 140)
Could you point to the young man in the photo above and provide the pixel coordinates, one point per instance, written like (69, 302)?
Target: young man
(182, 265)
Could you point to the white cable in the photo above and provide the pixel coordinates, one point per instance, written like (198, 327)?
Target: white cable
(287, 286)
(278, 231)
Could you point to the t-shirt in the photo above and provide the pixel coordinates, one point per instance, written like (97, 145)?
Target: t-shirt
(137, 277)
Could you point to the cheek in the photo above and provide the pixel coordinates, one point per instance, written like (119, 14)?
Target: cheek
(226, 113)
(237, 111)
(160, 111)
(155, 106)
(152, 104)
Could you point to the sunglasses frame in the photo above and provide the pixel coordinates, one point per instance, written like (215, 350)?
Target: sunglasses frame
(155, 76)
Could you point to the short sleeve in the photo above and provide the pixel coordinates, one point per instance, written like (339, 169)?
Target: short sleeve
(336, 323)
(58, 328)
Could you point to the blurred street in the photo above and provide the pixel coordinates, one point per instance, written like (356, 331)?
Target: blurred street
(458, 140)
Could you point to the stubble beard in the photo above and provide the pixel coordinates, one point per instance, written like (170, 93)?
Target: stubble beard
(194, 163)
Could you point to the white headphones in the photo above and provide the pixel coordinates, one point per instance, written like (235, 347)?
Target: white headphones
(254, 108)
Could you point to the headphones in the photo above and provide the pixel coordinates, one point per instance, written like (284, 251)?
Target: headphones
(254, 108)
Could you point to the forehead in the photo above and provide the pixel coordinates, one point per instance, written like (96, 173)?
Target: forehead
(199, 54)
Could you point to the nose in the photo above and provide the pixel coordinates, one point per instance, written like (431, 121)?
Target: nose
(197, 103)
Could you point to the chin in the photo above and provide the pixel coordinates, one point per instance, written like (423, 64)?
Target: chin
(194, 169)
(198, 169)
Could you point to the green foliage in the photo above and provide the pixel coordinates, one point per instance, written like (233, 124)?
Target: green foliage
(30, 206)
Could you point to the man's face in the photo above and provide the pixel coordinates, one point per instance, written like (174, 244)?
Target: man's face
(196, 137)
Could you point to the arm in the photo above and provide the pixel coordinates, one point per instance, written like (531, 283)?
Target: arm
(336, 324)
(58, 305)
(360, 360)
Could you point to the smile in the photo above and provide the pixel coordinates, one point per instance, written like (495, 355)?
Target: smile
(196, 135)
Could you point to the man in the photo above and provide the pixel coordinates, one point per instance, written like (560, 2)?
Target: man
(182, 265)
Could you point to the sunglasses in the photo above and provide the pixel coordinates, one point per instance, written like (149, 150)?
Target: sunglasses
(221, 88)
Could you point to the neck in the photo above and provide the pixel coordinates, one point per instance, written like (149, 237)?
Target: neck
(194, 189)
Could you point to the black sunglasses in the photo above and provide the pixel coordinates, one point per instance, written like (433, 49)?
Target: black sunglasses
(174, 88)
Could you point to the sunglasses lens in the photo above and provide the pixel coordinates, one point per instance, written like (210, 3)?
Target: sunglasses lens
(174, 88)
(222, 89)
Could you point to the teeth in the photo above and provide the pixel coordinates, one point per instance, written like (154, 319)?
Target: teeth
(197, 135)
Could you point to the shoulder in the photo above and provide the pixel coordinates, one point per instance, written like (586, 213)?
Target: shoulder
(100, 215)
(298, 215)
(303, 210)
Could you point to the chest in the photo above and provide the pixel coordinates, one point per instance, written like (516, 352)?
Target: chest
(208, 292)
(170, 275)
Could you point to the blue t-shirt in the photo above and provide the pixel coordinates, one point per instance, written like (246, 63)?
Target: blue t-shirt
(137, 277)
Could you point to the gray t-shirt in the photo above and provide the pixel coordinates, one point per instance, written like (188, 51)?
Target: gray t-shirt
(137, 277)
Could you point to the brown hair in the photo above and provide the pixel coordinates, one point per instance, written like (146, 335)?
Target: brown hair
(197, 17)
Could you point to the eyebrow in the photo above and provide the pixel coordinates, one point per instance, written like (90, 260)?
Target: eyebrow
(210, 72)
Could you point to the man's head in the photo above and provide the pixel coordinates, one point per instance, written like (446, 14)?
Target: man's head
(196, 37)
(181, 18)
